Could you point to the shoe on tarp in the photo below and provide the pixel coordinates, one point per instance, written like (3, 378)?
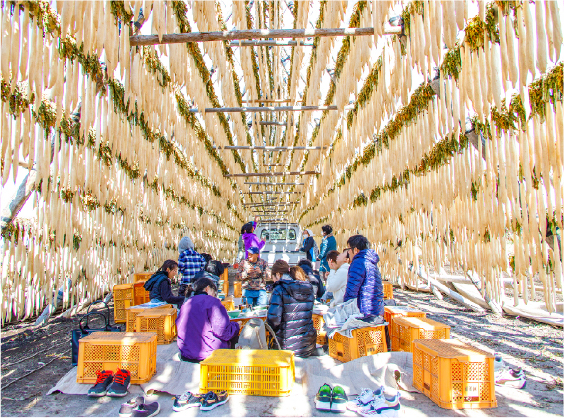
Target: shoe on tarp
(103, 381)
(214, 399)
(146, 410)
(339, 399)
(187, 400)
(120, 385)
(128, 407)
(323, 398)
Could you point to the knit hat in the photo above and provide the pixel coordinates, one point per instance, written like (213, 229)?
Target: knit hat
(184, 244)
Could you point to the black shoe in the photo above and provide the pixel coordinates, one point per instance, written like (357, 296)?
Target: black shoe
(103, 380)
(146, 410)
(323, 398)
(187, 400)
(120, 385)
(127, 408)
(214, 399)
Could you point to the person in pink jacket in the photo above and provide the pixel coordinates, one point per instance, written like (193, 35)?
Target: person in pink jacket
(249, 237)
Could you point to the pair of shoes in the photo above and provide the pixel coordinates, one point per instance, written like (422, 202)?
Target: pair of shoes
(514, 378)
(206, 402)
(331, 399)
(137, 407)
(376, 403)
(506, 376)
(107, 383)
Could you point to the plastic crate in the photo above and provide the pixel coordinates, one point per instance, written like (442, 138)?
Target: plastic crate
(249, 372)
(364, 342)
(136, 352)
(225, 277)
(141, 277)
(318, 325)
(133, 311)
(161, 321)
(405, 330)
(237, 290)
(388, 290)
(123, 299)
(453, 374)
(229, 304)
(140, 295)
(391, 312)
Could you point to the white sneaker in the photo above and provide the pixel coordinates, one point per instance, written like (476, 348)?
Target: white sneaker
(382, 406)
(512, 378)
(362, 400)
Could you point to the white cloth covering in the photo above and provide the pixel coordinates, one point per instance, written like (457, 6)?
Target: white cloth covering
(337, 284)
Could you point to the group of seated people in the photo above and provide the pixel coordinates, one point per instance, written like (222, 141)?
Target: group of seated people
(203, 324)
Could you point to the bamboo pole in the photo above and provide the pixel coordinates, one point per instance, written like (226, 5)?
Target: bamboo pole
(234, 35)
(248, 147)
(235, 44)
(289, 173)
(265, 109)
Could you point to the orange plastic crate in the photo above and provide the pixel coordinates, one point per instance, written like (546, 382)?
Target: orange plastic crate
(388, 290)
(364, 342)
(229, 304)
(391, 312)
(136, 352)
(318, 325)
(161, 321)
(237, 290)
(225, 277)
(453, 374)
(133, 311)
(123, 299)
(141, 277)
(249, 372)
(140, 295)
(406, 330)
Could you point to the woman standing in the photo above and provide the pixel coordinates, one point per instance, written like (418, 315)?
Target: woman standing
(249, 237)
(290, 310)
(308, 244)
(328, 244)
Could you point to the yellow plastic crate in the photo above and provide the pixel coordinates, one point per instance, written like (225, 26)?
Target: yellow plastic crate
(123, 299)
(405, 330)
(391, 312)
(133, 311)
(136, 352)
(141, 277)
(318, 325)
(229, 305)
(249, 372)
(225, 277)
(364, 342)
(161, 321)
(453, 374)
(140, 295)
(237, 290)
(388, 290)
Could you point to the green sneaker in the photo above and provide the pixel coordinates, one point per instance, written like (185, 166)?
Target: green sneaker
(338, 399)
(323, 398)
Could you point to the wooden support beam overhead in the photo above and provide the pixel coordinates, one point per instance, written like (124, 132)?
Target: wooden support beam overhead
(235, 35)
(268, 101)
(264, 109)
(288, 173)
(269, 43)
(274, 184)
(248, 147)
(270, 204)
(270, 192)
(275, 124)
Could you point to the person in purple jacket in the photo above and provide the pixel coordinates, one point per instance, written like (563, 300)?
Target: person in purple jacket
(249, 237)
(203, 324)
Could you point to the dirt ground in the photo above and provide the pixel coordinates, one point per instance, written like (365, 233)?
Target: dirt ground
(34, 359)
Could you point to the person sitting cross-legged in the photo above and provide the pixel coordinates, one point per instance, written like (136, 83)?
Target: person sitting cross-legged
(159, 285)
(254, 273)
(203, 324)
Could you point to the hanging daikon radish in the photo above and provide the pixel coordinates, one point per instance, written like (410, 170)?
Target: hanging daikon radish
(541, 37)
(496, 73)
(553, 7)
(529, 40)
(24, 46)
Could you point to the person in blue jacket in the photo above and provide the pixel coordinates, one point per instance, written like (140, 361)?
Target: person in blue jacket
(364, 281)
(328, 244)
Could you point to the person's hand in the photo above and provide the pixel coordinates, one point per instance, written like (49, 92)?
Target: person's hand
(256, 219)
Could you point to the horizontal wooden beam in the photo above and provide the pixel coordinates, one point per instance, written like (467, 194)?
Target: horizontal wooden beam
(263, 109)
(268, 101)
(268, 192)
(263, 148)
(270, 204)
(274, 184)
(288, 173)
(235, 35)
(234, 44)
(275, 124)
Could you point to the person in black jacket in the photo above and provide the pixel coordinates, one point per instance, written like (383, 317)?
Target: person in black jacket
(159, 285)
(313, 277)
(290, 310)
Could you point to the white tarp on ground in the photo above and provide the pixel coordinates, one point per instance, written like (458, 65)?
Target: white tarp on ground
(174, 376)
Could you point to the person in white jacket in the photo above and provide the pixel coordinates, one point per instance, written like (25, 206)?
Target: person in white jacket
(337, 279)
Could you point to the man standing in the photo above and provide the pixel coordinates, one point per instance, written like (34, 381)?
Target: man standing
(364, 281)
(189, 264)
(254, 273)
